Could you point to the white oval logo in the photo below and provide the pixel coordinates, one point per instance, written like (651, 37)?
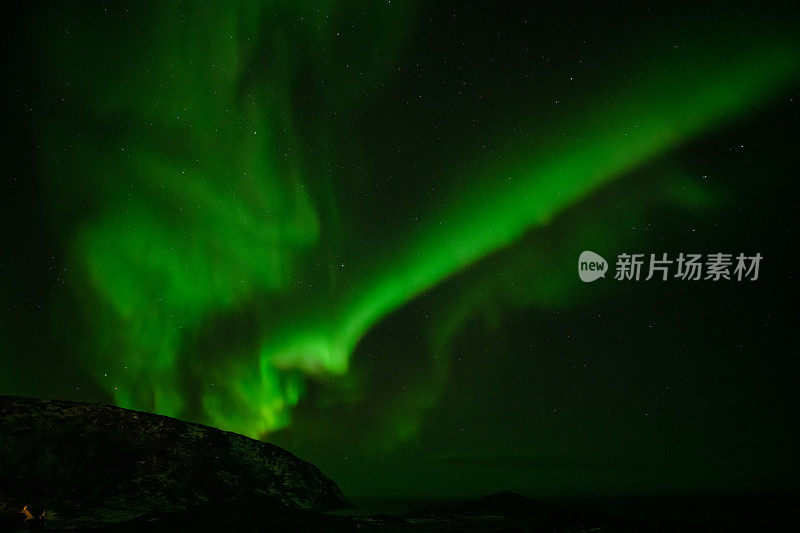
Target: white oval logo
(591, 266)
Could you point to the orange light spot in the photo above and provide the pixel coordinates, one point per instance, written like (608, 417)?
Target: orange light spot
(27, 513)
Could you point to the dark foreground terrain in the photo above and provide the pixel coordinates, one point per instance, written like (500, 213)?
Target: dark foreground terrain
(68, 466)
(497, 512)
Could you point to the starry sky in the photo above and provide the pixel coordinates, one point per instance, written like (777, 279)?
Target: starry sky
(353, 230)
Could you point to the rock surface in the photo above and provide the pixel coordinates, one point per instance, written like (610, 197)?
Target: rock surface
(77, 465)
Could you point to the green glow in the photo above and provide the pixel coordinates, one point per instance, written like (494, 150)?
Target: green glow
(496, 212)
(206, 200)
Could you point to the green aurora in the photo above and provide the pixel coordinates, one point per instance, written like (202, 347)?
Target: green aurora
(202, 168)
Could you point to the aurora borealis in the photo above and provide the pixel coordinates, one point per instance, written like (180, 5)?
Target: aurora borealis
(351, 229)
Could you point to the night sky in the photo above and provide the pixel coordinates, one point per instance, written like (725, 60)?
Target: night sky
(353, 230)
